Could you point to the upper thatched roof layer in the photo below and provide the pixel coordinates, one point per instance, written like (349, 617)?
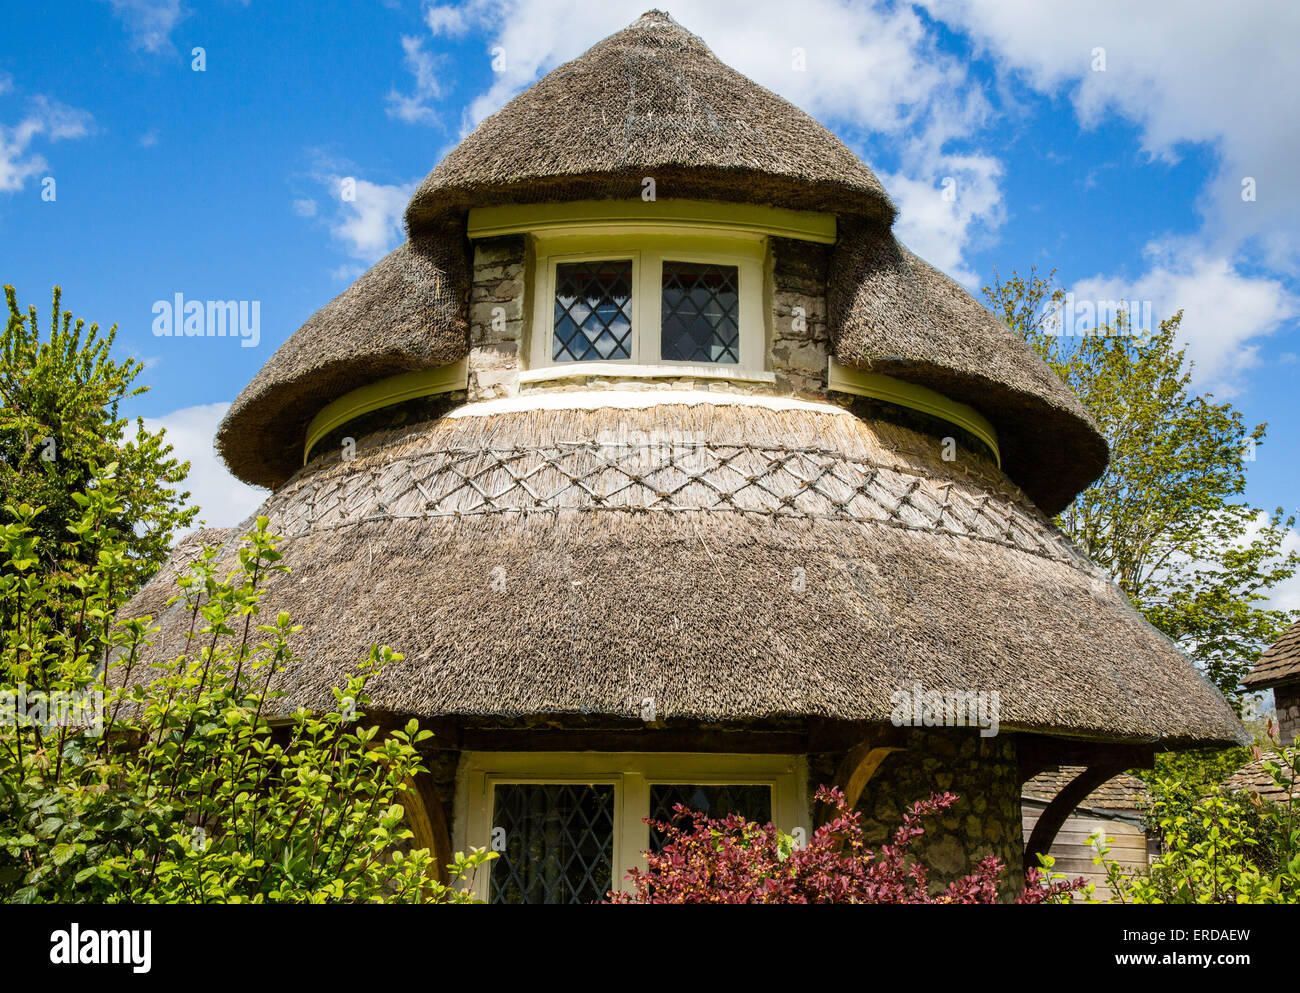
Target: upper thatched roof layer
(763, 564)
(891, 312)
(651, 100)
(407, 312)
(1280, 663)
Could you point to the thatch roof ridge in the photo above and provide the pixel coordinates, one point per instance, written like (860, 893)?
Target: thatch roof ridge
(613, 593)
(1280, 662)
(407, 312)
(890, 311)
(650, 100)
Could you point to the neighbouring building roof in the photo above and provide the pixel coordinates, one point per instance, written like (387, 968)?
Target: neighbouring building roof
(1254, 778)
(1124, 793)
(1279, 664)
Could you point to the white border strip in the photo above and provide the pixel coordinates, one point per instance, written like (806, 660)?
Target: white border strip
(637, 400)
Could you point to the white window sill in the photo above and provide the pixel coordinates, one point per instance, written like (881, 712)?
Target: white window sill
(624, 370)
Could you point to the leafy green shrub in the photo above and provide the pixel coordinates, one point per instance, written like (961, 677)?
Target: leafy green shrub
(1217, 847)
(170, 784)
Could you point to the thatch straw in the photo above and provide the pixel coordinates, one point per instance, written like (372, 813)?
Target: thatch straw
(406, 312)
(651, 100)
(891, 312)
(503, 556)
(1280, 663)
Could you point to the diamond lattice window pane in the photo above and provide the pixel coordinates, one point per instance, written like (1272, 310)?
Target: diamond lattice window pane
(559, 843)
(593, 311)
(754, 803)
(701, 313)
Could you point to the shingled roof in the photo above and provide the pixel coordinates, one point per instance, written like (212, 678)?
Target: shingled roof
(1124, 792)
(1279, 664)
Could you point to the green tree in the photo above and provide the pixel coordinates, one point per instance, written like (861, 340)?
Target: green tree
(60, 391)
(1166, 519)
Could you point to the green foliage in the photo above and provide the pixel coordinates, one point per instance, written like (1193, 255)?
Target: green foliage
(173, 786)
(1217, 847)
(59, 396)
(1165, 519)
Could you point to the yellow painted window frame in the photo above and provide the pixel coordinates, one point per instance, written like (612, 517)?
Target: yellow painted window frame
(670, 216)
(385, 393)
(648, 252)
(919, 398)
(631, 774)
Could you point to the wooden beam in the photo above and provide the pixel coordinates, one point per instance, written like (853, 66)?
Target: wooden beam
(428, 822)
(638, 740)
(860, 764)
(1062, 805)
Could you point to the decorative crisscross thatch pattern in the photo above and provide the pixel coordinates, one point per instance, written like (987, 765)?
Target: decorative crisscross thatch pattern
(765, 564)
(809, 483)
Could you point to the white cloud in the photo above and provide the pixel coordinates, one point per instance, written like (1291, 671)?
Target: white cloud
(1224, 75)
(364, 217)
(46, 119)
(940, 214)
(370, 225)
(149, 23)
(414, 108)
(1224, 311)
(224, 501)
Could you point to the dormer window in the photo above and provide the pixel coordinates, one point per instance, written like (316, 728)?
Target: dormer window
(649, 301)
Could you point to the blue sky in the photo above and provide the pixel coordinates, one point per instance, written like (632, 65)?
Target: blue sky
(223, 184)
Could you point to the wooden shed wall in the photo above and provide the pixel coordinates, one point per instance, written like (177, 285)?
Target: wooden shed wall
(1074, 854)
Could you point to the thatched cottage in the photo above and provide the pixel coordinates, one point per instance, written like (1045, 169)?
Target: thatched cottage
(676, 477)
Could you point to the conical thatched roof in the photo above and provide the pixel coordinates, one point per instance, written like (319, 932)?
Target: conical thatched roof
(892, 312)
(1280, 662)
(651, 100)
(406, 312)
(778, 560)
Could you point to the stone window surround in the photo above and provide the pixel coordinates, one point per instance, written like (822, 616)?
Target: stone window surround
(505, 302)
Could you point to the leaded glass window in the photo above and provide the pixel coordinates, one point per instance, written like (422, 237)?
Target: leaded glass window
(558, 843)
(754, 803)
(701, 312)
(593, 311)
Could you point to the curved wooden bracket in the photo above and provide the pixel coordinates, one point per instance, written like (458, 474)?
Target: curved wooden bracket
(1062, 805)
(428, 823)
(859, 765)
